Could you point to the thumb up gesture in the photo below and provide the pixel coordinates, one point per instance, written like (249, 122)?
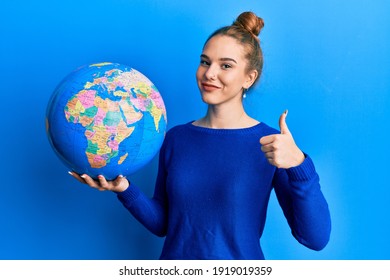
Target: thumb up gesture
(280, 149)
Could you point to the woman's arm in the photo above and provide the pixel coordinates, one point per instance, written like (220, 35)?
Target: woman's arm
(151, 212)
(299, 194)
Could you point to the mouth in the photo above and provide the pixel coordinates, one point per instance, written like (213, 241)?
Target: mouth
(209, 87)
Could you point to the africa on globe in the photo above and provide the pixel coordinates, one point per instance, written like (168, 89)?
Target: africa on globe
(107, 119)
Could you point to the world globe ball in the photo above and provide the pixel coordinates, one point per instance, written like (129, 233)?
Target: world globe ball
(106, 119)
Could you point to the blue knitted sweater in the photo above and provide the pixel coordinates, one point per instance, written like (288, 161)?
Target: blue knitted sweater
(212, 192)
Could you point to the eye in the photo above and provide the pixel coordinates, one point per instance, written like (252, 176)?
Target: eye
(204, 62)
(226, 66)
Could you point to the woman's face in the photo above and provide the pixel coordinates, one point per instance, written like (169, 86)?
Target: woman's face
(222, 73)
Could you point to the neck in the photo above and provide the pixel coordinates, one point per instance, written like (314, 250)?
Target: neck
(226, 118)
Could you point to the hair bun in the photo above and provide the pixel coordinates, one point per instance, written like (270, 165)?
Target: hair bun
(251, 22)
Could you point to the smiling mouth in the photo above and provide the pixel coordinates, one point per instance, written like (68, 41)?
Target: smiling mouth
(209, 87)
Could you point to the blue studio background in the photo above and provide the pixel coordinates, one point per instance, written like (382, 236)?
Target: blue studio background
(327, 62)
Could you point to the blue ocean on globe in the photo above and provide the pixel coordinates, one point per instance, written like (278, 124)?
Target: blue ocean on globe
(107, 119)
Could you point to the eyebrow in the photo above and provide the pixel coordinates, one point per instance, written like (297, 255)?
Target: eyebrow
(221, 59)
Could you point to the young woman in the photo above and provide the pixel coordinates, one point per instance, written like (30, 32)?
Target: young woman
(216, 173)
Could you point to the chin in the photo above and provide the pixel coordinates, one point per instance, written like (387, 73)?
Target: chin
(208, 99)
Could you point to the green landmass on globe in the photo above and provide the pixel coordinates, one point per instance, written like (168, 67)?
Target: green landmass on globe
(106, 119)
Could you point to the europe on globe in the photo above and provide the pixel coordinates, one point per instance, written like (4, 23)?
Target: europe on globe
(107, 119)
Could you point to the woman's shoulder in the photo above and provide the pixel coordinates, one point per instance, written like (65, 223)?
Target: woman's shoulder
(176, 131)
(268, 130)
(179, 128)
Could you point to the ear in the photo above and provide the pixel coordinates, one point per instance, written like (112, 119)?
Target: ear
(250, 78)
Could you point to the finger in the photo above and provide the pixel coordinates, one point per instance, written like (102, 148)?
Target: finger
(103, 182)
(270, 157)
(118, 180)
(120, 184)
(76, 176)
(267, 148)
(90, 182)
(265, 140)
(282, 123)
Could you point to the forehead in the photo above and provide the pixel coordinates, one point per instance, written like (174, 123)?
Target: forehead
(221, 46)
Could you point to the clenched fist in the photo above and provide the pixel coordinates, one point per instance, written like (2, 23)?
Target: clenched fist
(280, 149)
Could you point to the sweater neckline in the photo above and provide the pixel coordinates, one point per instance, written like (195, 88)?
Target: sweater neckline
(224, 130)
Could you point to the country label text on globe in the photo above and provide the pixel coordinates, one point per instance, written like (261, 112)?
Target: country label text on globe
(106, 119)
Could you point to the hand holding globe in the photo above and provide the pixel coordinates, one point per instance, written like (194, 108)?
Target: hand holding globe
(105, 120)
(119, 184)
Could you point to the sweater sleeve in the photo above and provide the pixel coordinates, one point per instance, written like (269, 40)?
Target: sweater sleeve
(304, 206)
(151, 212)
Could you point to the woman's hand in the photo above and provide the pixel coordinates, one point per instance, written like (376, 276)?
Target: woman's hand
(120, 184)
(280, 149)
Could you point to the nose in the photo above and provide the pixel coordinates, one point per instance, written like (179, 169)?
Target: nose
(211, 73)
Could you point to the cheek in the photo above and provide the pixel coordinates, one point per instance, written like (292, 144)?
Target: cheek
(199, 76)
(238, 80)
(199, 73)
(231, 79)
